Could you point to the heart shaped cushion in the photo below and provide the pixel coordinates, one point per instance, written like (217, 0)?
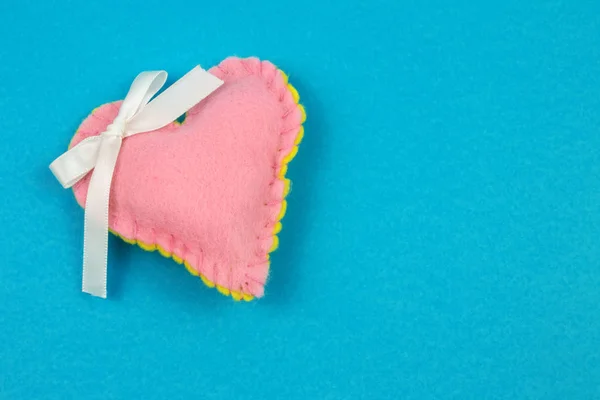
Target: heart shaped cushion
(209, 192)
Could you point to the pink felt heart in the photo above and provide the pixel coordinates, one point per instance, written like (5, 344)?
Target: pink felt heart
(210, 192)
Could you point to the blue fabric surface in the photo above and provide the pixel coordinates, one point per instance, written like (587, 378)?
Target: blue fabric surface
(442, 239)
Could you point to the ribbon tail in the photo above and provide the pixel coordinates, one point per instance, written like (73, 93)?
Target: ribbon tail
(95, 239)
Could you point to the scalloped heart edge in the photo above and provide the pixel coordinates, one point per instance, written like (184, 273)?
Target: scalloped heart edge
(281, 170)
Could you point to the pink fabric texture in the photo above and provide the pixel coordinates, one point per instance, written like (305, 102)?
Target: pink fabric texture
(209, 190)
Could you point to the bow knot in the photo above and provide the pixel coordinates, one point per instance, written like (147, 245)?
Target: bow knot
(136, 115)
(117, 128)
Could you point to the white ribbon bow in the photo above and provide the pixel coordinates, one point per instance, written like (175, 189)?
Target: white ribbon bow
(100, 153)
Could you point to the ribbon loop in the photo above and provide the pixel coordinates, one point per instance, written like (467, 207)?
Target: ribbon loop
(137, 115)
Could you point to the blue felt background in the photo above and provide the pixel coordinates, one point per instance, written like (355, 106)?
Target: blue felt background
(443, 233)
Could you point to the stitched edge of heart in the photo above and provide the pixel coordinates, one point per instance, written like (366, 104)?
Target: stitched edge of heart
(280, 168)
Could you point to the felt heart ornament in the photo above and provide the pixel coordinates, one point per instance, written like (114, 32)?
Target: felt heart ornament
(210, 191)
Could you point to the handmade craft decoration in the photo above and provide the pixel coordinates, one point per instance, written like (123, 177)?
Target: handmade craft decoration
(209, 192)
